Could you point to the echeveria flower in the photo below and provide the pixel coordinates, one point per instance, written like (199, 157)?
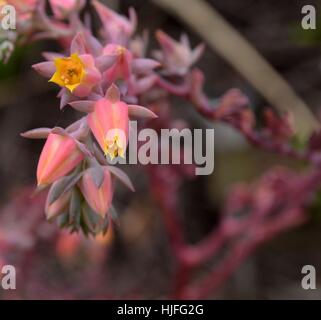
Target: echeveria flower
(77, 73)
(58, 207)
(121, 69)
(117, 28)
(125, 66)
(176, 56)
(61, 8)
(24, 8)
(59, 156)
(109, 123)
(99, 197)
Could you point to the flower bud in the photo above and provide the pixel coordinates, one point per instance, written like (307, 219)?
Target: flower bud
(116, 28)
(61, 8)
(176, 56)
(58, 157)
(109, 123)
(54, 209)
(121, 69)
(98, 198)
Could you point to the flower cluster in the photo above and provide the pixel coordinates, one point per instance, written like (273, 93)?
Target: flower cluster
(107, 78)
(103, 79)
(29, 21)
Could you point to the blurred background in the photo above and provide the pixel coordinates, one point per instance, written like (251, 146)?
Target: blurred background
(138, 256)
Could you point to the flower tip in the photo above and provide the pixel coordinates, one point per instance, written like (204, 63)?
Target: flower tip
(45, 69)
(113, 93)
(40, 185)
(151, 115)
(35, 66)
(131, 187)
(163, 37)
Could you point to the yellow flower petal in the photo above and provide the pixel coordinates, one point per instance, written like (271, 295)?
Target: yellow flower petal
(69, 73)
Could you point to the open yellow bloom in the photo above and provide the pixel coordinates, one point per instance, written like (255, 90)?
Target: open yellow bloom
(69, 73)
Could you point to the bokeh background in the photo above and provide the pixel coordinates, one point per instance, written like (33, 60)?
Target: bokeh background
(138, 255)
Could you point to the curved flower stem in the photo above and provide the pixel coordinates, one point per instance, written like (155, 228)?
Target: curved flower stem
(233, 99)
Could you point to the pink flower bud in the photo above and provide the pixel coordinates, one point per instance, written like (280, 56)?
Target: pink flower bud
(58, 207)
(58, 157)
(109, 123)
(176, 56)
(24, 8)
(61, 8)
(116, 28)
(121, 69)
(98, 198)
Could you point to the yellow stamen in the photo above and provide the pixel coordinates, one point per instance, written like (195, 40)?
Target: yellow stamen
(114, 147)
(69, 72)
(120, 50)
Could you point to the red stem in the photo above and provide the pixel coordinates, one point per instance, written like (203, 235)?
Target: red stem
(189, 257)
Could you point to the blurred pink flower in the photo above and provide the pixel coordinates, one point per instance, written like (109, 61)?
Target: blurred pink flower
(116, 28)
(176, 56)
(121, 69)
(67, 245)
(125, 66)
(24, 8)
(61, 8)
(281, 128)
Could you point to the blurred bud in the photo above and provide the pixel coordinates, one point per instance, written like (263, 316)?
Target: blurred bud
(124, 65)
(143, 84)
(67, 245)
(138, 45)
(24, 9)
(121, 69)
(176, 57)
(281, 128)
(105, 239)
(117, 28)
(62, 8)
(246, 120)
